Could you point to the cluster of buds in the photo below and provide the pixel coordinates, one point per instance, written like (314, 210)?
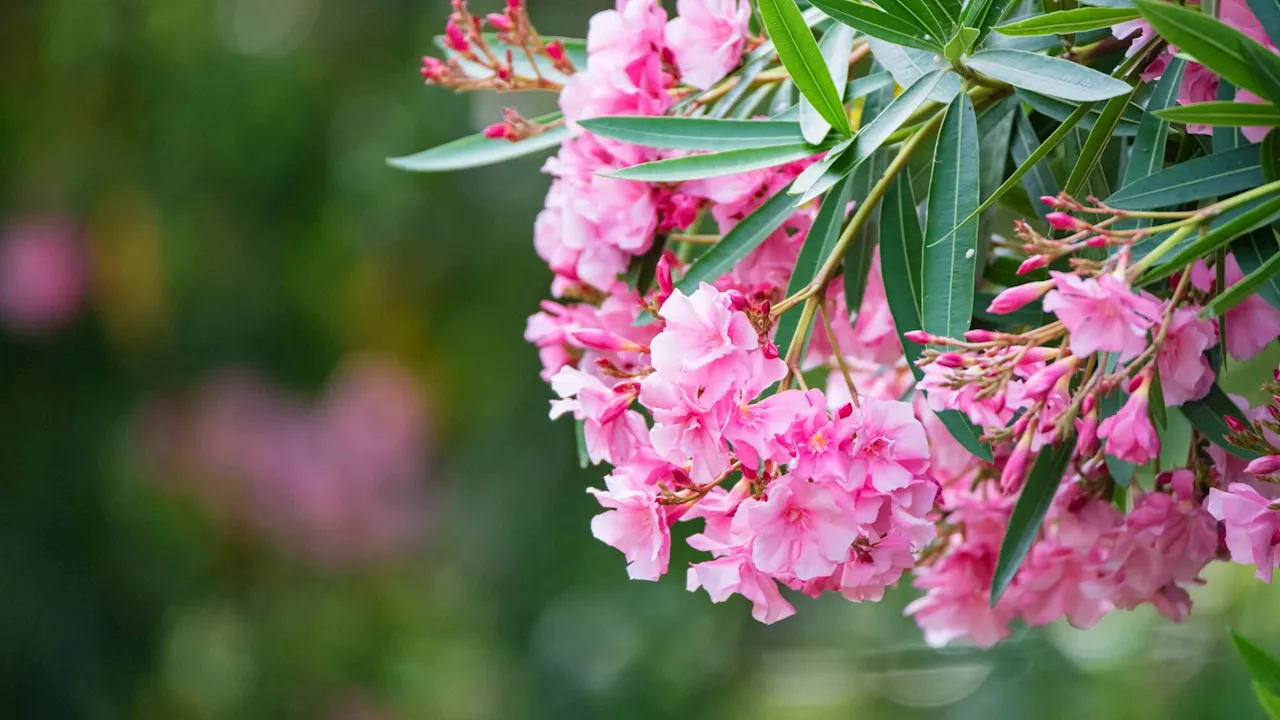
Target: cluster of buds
(515, 127)
(513, 57)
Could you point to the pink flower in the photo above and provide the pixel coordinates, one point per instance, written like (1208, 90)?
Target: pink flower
(1185, 373)
(635, 524)
(1130, 435)
(735, 574)
(1058, 581)
(704, 339)
(688, 427)
(803, 529)
(754, 428)
(42, 276)
(1253, 526)
(1267, 465)
(707, 38)
(1102, 314)
(1251, 325)
(874, 568)
(890, 448)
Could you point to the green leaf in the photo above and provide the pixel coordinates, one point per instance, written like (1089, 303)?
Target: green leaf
(1263, 276)
(1216, 45)
(928, 16)
(818, 244)
(857, 258)
(682, 133)
(1047, 75)
(728, 162)
(1108, 3)
(1155, 402)
(1254, 250)
(1147, 157)
(951, 241)
(1261, 214)
(1267, 69)
(864, 86)
(1223, 113)
(836, 45)
(1269, 153)
(960, 44)
(1060, 110)
(995, 133)
(748, 75)
(478, 150)
(1028, 514)
(873, 135)
(820, 176)
(1206, 416)
(1068, 21)
(1097, 141)
(902, 262)
(800, 55)
(1038, 180)
(1055, 138)
(738, 242)
(1268, 14)
(1215, 175)
(984, 14)
(1262, 669)
(907, 65)
(876, 23)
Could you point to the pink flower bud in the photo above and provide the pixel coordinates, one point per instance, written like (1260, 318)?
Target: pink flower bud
(1061, 221)
(1234, 423)
(770, 351)
(845, 411)
(1039, 384)
(918, 337)
(515, 4)
(1050, 200)
(1087, 434)
(500, 22)
(1268, 465)
(1274, 412)
(1015, 470)
(951, 360)
(737, 301)
(1033, 263)
(496, 131)
(455, 39)
(602, 340)
(615, 408)
(663, 275)
(1097, 241)
(433, 69)
(980, 336)
(1018, 297)
(555, 51)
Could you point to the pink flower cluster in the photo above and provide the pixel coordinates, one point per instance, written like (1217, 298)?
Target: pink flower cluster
(336, 482)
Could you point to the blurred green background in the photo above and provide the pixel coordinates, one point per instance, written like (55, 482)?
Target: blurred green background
(272, 446)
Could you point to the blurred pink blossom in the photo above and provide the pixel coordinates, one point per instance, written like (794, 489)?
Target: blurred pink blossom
(42, 275)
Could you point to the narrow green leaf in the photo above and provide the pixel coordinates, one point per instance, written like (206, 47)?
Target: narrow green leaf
(1214, 44)
(1268, 14)
(1155, 401)
(1270, 156)
(1207, 415)
(928, 17)
(1223, 113)
(951, 241)
(1035, 156)
(738, 242)
(1028, 514)
(818, 244)
(1108, 3)
(1060, 110)
(478, 150)
(748, 75)
(836, 45)
(857, 259)
(1147, 157)
(805, 183)
(1091, 153)
(1215, 175)
(984, 14)
(1037, 179)
(876, 23)
(1254, 250)
(728, 162)
(1047, 75)
(1262, 214)
(995, 133)
(873, 135)
(907, 65)
(1261, 277)
(682, 133)
(800, 55)
(960, 44)
(863, 86)
(1068, 21)
(1262, 667)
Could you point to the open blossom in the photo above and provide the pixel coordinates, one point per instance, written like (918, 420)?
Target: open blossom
(1130, 435)
(1184, 370)
(890, 448)
(635, 524)
(707, 38)
(803, 529)
(1251, 325)
(1102, 313)
(726, 576)
(1253, 526)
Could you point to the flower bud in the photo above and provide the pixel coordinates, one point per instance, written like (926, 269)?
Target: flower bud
(433, 69)
(515, 4)
(500, 22)
(1033, 263)
(1097, 241)
(951, 360)
(1087, 434)
(845, 411)
(1050, 200)
(980, 336)
(1018, 297)
(555, 51)
(663, 275)
(1015, 470)
(1234, 423)
(496, 131)
(606, 341)
(918, 337)
(737, 301)
(770, 351)
(1269, 465)
(455, 39)
(1062, 221)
